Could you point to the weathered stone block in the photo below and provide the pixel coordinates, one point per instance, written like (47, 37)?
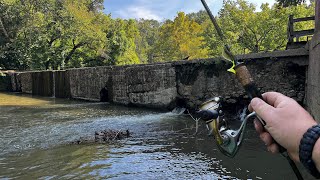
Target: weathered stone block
(86, 83)
(26, 82)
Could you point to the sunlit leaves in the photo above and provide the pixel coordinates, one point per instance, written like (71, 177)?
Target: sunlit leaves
(55, 34)
(122, 47)
(180, 39)
(248, 30)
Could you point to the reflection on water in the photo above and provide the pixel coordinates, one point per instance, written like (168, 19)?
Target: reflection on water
(34, 136)
(14, 100)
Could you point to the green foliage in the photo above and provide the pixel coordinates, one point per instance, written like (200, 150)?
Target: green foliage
(122, 36)
(199, 17)
(51, 34)
(286, 3)
(149, 34)
(250, 31)
(180, 39)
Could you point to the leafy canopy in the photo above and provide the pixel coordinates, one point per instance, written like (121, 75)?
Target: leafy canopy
(59, 34)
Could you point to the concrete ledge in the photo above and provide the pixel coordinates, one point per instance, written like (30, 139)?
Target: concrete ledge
(275, 54)
(291, 53)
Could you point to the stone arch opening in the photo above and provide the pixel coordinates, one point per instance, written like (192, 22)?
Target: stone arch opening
(104, 94)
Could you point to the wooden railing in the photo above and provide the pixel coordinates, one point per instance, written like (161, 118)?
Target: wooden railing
(297, 34)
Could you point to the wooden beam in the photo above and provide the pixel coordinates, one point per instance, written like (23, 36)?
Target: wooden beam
(290, 29)
(304, 19)
(303, 33)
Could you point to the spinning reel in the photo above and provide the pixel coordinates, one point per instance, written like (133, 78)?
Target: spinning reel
(228, 140)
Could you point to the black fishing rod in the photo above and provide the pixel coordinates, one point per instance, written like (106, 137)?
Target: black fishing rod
(229, 141)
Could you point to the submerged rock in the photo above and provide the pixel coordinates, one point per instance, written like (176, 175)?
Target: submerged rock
(106, 136)
(110, 135)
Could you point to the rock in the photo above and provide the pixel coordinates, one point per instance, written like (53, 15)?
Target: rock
(105, 136)
(111, 135)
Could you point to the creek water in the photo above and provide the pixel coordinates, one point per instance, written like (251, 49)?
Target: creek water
(35, 133)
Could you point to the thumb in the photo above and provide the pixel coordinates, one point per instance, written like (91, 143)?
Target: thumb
(264, 110)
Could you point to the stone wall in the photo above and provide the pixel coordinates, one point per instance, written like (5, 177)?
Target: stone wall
(313, 85)
(313, 82)
(24, 82)
(165, 85)
(15, 83)
(201, 80)
(151, 85)
(86, 83)
(120, 86)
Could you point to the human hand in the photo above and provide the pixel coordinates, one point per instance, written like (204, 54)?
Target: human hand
(286, 122)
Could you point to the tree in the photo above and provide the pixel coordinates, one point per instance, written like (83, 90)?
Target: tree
(51, 34)
(83, 33)
(287, 3)
(42, 34)
(11, 21)
(250, 31)
(179, 39)
(199, 17)
(121, 36)
(149, 33)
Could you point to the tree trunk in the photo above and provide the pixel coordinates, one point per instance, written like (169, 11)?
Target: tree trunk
(48, 62)
(4, 29)
(256, 48)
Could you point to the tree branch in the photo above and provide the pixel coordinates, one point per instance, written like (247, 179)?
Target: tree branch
(52, 39)
(265, 34)
(75, 47)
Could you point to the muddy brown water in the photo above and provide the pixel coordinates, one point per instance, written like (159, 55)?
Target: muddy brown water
(35, 132)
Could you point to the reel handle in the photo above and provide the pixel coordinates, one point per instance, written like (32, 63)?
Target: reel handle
(244, 77)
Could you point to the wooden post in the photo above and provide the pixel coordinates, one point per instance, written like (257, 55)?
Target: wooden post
(317, 17)
(290, 29)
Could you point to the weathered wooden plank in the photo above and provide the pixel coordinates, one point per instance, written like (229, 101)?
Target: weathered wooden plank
(311, 18)
(317, 17)
(303, 33)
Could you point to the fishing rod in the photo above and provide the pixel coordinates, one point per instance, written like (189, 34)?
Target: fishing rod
(229, 141)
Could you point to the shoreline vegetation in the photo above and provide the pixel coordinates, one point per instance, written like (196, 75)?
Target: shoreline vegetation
(54, 35)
